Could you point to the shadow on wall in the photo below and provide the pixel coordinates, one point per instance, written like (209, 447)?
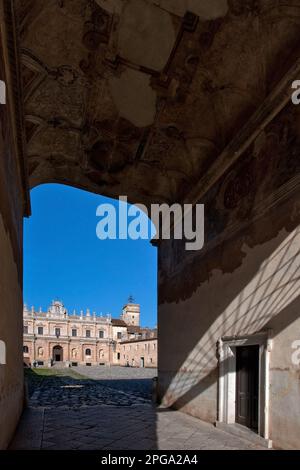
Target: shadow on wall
(263, 289)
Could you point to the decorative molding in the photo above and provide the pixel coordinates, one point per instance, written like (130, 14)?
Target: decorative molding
(227, 379)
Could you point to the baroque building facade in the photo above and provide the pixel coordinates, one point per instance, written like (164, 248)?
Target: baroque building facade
(56, 337)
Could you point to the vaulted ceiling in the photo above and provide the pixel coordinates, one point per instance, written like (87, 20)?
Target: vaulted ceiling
(141, 97)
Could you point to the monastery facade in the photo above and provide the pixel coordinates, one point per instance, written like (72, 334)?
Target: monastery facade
(56, 337)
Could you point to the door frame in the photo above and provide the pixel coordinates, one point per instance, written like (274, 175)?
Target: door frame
(227, 378)
(61, 349)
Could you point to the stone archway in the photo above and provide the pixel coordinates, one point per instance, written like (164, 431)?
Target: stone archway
(57, 353)
(210, 129)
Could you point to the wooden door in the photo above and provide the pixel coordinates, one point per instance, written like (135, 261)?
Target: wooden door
(247, 383)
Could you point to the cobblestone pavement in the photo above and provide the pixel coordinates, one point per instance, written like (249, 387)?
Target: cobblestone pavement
(70, 393)
(127, 379)
(71, 412)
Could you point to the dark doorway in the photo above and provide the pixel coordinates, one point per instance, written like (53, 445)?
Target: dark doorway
(247, 376)
(57, 354)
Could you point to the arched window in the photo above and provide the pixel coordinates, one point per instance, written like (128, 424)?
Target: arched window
(25, 349)
(88, 352)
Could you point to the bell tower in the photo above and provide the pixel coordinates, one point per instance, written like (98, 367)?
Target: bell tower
(131, 313)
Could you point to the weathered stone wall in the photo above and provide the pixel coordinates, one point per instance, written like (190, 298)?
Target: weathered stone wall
(245, 280)
(11, 213)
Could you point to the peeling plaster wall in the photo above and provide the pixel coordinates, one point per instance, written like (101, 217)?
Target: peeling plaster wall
(263, 293)
(11, 215)
(244, 285)
(245, 280)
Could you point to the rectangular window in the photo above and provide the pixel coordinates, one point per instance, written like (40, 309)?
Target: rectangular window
(74, 332)
(101, 334)
(40, 330)
(57, 332)
(25, 330)
(88, 333)
(119, 335)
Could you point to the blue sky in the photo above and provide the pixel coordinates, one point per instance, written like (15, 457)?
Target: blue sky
(64, 259)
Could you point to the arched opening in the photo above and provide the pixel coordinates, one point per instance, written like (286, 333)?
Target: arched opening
(106, 295)
(112, 99)
(57, 354)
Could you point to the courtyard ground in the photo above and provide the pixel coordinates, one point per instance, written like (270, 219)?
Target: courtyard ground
(108, 408)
